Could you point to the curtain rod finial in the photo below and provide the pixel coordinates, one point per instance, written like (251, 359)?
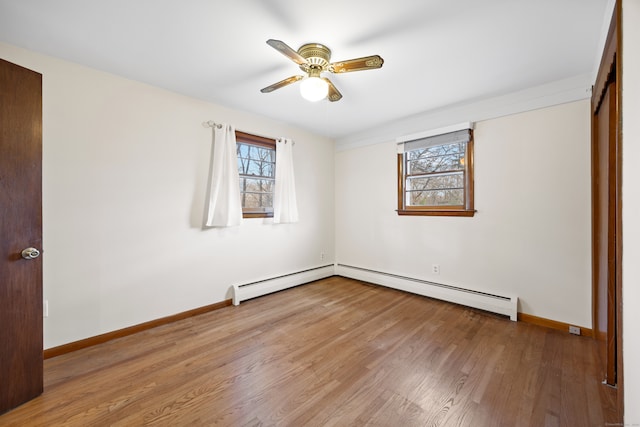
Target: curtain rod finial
(211, 123)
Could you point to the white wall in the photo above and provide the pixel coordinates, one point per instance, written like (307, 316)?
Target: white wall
(124, 176)
(631, 207)
(530, 236)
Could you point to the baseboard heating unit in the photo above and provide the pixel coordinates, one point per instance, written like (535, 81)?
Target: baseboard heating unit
(500, 304)
(262, 287)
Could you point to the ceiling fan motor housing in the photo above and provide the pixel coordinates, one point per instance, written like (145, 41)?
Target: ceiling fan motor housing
(317, 56)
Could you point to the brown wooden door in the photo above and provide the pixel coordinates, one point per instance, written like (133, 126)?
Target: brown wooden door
(21, 365)
(604, 222)
(607, 213)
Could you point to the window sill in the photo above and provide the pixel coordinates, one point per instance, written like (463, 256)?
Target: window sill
(437, 212)
(257, 214)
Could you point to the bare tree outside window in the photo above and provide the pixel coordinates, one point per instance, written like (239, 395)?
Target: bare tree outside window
(256, 167)
(435, 176)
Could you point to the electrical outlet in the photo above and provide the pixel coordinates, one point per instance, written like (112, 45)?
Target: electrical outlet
(574, 330)
(45, 308)
(322, 256)
(435, 269)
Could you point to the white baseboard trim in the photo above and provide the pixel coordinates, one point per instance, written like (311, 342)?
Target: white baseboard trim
(262, 287)
(500, 304)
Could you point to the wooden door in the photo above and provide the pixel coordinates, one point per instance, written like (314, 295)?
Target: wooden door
(606, 210)
(21, 364)
(604, 222)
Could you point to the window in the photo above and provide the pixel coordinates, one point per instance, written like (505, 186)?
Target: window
(256, 167)
(435, 175)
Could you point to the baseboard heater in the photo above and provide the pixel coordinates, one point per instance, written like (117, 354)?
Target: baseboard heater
(504, 305)
(263, 287)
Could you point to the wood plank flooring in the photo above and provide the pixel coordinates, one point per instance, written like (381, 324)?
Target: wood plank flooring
(336, 352)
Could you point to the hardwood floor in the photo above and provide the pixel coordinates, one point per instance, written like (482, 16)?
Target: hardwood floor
(335, 352)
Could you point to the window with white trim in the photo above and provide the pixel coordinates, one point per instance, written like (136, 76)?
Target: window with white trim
(435, 175)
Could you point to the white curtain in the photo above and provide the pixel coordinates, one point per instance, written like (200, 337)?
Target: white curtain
(223, 204)
(285, 205)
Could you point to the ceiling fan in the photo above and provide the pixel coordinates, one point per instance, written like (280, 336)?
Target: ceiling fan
(313, 59)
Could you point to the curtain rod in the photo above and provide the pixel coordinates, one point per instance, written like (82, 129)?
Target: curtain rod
(211, 124)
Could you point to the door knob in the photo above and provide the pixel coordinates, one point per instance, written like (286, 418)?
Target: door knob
(30, 253)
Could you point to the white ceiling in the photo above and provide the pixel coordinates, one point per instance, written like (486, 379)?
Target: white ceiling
(437, 53)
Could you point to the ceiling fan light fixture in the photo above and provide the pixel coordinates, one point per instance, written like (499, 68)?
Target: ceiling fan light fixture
(314, 59)
(314, 89)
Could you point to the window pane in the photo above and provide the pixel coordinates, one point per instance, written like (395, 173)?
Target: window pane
(437, 198)
(256, 167)
(251, 200)
(252, 185)
(256, 193)
(445, 181)
(436, 159)
(257, 201)
(438, 190)
(255, 160)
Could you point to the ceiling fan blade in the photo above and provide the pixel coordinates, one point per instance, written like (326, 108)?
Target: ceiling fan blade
(358, 64)
(284, 49)
(333, 95)
(281, 83)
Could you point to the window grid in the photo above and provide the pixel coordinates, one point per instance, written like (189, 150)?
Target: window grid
(256, 170)
(437, 179)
